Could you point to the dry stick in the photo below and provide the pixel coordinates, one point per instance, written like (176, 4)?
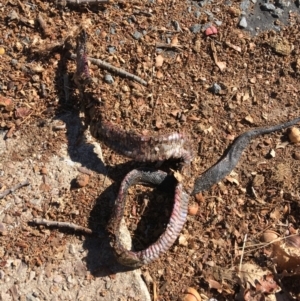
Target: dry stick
(242, 256)
(81, 2)
(48, 223)
(114, 69)
(43, 25)
(11, 190)
(169, 46)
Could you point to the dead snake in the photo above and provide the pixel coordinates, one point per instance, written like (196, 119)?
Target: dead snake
(154, 148)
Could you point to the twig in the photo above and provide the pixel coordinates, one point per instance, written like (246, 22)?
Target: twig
(169, 46)
(81, 2)
(242, 256)
(14, 188)
(43, 25)
(114, 69)
(49, 223)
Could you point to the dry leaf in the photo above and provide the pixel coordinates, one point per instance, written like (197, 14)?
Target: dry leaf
(183, 240)
(285, 257)
(232, 180)
(159, 61)
(22, 112)
(221, 65)
(275, 214)
(214, 284)
(174, 41)
(159, 123)
(178, 176)
(7, 103)
(249, 119)
(191, 295)
(269, 235)
(262, 280)
(159, 74)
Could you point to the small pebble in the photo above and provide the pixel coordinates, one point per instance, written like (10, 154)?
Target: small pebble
(294, 135)
(30, 297)
(125, 88)
(243, 22)
(249, 119)
(137, 35)
(183, 240)
(3, 230)
(111, 49)
(193, 209)
(272, 153)
(277, 13)
(44, 171)
(176, 25)
(82, 180)
(212, 30)
(268, 6)
(112, 30)
(285, 3)
(72, 249)
(2, 50)
(195, 28)
(216, 89)
(197, 14)
(57, 279)
(108, 78)
(14, 62)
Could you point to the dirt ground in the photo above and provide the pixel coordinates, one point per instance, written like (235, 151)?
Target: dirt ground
(214, 87)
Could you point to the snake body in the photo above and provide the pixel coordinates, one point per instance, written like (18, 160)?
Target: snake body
(166, 240)
(231, 157)
(141, 147)
(154, 148)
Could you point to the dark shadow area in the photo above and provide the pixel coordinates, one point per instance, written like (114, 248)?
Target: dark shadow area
(262, 18)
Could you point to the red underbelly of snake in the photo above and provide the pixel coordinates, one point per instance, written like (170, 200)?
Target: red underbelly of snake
(155, 148)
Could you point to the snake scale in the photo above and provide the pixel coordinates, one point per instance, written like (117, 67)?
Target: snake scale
(143, 148)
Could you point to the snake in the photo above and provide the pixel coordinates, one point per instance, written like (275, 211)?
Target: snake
(153, 148)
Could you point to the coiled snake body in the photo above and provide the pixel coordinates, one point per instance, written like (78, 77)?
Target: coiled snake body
(154, 148)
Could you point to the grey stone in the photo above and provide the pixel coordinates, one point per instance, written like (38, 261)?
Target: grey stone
(218, 22)
(137, 35)
(268, 6)
(197, 14)
(176, 25)
(243, 22)
(216, 88)
(108, 78)
(30, 297)
(277, 13)
(14, 62)
(195, 28)
(111, 49)
(245, 5)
